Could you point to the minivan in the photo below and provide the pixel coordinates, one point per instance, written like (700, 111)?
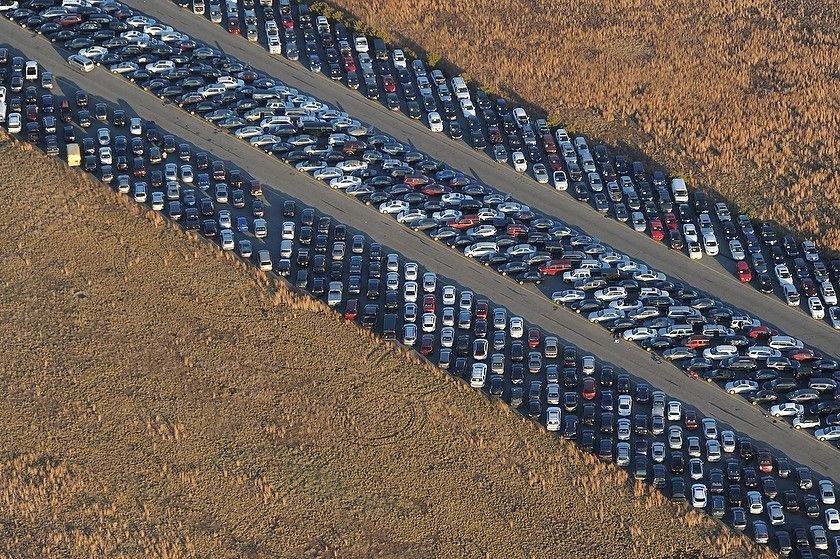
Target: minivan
(679, 190)
(31, 70)
(80, 62)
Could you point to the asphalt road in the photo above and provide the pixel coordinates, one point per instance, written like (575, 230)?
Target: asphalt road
(521, 300)
(708, 274)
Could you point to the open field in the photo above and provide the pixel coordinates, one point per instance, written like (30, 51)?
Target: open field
(739, 97)
(162, 400)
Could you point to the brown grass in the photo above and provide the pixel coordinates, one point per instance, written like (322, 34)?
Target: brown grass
(161, 399)
(740, 97)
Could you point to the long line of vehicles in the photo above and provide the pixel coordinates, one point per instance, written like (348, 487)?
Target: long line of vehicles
(615, 185)
(699, 334)
(603, 409)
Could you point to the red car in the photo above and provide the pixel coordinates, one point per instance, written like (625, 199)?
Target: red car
(429, 303)
(464, 222)
(691, 420)
(389, 83)
(517, 229)
(743, 271)
(482, 308)
(554, 162)
(671, 222)
(761, 333)
(434, 189)
(656, 231)
(416, 180)
(351, 310)
(548, 144)
(804, 355)
(698, 342)
(554, 267)
(534, 338)
(589, 391)
(427, 344)
(349, 63)
(233, 26)
(69, 20)
(288, 22)
(32, 113)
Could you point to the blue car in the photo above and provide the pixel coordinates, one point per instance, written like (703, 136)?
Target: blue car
(242, 224)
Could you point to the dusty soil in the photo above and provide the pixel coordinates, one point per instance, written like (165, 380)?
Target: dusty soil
(162, 400)
(741, 97)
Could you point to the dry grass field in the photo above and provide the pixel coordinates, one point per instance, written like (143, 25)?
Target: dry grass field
(160, 399)
(741, 97)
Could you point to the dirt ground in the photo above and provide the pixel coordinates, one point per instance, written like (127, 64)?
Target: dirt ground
(740, 97)
(162, 400)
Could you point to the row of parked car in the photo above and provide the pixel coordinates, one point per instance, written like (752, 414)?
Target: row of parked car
(423, 194)
(603, 409)
(616, 186)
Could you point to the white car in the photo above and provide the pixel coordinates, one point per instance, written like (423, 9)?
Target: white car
(519, 162)
(260, 228)
(157, 200)
(95, 53)
(140, 192)
(783, 274)
(399, 58)
(698, 496)
(727, 439)
(787, 409)
(560, 180)
(737, 250)
(625, 405)
(481, 248)
(816, 308)
(478, 376)
(160, 66)
(447, 337)
(393, 206)
(410, 291)
(831, 433)
(762, 352)
(361, 45)
(428, 322)
(136, 126)
(611, 293)
(741, 386)
(568, 296)
(274, 46)
(226, 239)
(720, 352)
(834, 317)
(640, 333)
(410, 216)
(467, 108)
(409, 334)
(828, 293)
(344, 182)
(517, 327)
(754, 502)
(674, 410)
(448, 295)
(14, 122)
(435, 122)
(552, 418)
(105, 155)
(785, 342)
(832, 520)
(187, 173)
(710, 245)
(827, 492)
(429, 282)
(805, 422)
(690, 233)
